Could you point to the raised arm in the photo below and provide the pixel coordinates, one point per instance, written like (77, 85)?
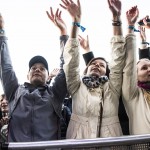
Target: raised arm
(75, 13)
(129, 87)
(71, 52)
(117, 46)
(59, 84)
(144, 49)
(145, 22)
(53, 74)
(115, 8)
(8, 77)
(87, 53)
(58, 21)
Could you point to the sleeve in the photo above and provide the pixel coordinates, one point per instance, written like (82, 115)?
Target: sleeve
(63, 40)
(117, 64)
(87, 57)
(7, 74)
(59, 85)
(129, 87)
(71, 66)
(144, 53)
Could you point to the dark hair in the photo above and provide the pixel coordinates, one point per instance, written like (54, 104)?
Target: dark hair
(93, 59)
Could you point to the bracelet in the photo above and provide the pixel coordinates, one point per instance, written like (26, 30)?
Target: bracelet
(78, 25)
(145, 43)
(133, 28)
(116, 23)
(2, 31)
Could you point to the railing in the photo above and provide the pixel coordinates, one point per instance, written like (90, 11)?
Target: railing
(137, 142)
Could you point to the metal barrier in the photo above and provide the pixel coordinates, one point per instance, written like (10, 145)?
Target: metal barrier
(137, 142)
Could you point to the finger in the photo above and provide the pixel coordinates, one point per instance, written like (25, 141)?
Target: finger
(57, 11)
(147, 18)
(59, 15)
(145, 22)
(80, 40)
(68, 3)
(63, 6)
(78, 3)
(71, 1)
(137, 12)
(87, 37)
(49, 16)
(139, 27)
(80, 37)
(65, 2)
(127, 12)
(109, 4)
(51, 10)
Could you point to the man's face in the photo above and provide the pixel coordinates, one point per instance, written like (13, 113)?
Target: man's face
(38, 74)
(143, 70)
(97, 68)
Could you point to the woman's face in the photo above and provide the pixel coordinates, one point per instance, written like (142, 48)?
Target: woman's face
(4, 105)
(143, 70)
(97, 68)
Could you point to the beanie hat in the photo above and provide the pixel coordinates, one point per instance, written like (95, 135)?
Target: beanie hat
(38, 59)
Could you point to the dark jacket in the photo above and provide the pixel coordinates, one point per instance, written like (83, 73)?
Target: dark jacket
(144, 53)
(36, 111)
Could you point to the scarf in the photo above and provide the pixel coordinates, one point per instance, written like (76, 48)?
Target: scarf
(144, 85)
(146, 89)
(94, 81)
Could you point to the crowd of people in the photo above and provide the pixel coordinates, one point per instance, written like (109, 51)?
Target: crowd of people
(109, 99)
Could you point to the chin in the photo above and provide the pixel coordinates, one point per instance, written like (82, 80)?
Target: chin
(37, 83)
(95, 74)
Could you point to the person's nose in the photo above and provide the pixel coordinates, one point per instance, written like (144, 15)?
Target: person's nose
(149, 69)
(37, 69)
(97, 64)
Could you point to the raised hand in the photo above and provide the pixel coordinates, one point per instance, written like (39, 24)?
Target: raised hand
(115, 7)
(73, 9)
(57, 20)
(54, 73)
(142, 33)
(84, 43)
(132, 15)
(146, 22)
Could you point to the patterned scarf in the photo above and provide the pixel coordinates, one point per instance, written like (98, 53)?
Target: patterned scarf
(94, 81)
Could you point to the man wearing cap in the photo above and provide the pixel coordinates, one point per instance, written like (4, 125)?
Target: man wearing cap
(35, 107)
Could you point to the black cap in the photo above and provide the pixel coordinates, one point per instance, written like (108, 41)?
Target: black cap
(38, 59)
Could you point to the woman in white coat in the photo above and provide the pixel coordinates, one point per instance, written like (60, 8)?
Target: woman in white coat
(136, 88)
(95, 99)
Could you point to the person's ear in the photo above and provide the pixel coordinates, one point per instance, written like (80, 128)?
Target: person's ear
(28, 76)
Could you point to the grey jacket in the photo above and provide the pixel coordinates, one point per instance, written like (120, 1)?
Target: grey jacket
(36, 112)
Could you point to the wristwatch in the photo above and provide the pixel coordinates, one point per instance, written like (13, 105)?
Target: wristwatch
(2, 31)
